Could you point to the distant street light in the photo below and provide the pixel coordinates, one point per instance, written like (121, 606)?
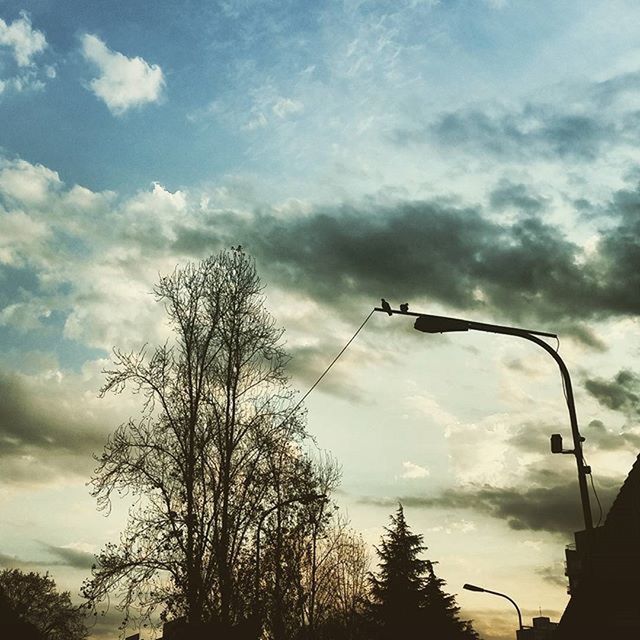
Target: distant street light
(472, 587)
(441, 324)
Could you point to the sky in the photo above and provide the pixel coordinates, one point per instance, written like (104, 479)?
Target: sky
(475, 158)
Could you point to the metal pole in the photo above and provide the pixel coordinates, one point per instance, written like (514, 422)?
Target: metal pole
(571, 406)
(513, 602)
(442, 324)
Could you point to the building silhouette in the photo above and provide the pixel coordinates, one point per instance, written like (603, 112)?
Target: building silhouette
(604, 573)
(541, 629)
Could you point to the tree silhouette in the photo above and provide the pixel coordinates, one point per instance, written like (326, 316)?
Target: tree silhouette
(398, 591)
(31, 608)
(442, 613)
(407, 598)
(218, 424)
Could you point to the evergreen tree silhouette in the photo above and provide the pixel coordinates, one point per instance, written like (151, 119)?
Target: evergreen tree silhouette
(442, 613)
(407, 598)
(398, 592)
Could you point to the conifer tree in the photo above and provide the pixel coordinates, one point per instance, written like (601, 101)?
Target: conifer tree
(442, 613)
(407, 598)
(398, 592)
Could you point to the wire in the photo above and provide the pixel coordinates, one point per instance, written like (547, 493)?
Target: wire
(324, 373)
(584, 462)
(595, 493)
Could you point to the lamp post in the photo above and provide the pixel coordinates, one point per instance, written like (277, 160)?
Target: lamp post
(303, 499)
(441, 324)
(472, 587)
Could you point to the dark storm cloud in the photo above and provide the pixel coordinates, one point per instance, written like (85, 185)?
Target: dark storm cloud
(535, 130)
(13, 562)
(554, 507)
(599, 436)
(423, 249)
(553, 574)
(35, 435)
(618, 257)
(522, 271)
(583, 334)
(621, 393)
(63, 557)
(534, 438)
(605, 92)
(70, 557)
(517, 196)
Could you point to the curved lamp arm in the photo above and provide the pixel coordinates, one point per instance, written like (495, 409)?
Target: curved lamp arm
(441, 324)
(472, 587)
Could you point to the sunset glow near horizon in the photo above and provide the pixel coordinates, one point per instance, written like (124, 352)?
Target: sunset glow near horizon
(475, 158)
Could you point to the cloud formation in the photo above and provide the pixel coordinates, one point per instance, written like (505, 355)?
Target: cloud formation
(525, 269)
(534, 438)
(71, 557)
(124, 83)
(63, 557)
(553, 507)
(22, 39)
(508, 195)
(534, 131)
(413, 471)
(622, 393)
(455, 255)
(23, 44)
(42, 434)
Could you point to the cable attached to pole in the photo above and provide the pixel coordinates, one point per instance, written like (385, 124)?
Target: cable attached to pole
(324, 373)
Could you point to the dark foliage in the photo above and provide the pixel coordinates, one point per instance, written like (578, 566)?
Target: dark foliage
(31, 608)
(407, 598)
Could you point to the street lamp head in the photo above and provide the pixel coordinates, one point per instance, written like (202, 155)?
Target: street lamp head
(472, 587)
(438, 324)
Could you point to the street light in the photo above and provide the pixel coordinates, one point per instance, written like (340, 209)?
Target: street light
(442, 324)
(472, 587)
(303, 499)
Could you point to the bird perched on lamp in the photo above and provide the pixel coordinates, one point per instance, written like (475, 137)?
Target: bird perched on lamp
(386, 306)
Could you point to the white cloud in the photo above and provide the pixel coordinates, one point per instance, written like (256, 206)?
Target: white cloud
(27, 183)
(259, 121)
(24, 315)
(284, 107)
(20, 236)
(429, 407)
(413, 471)
(24, 41)
(123, 82)
(159, 200)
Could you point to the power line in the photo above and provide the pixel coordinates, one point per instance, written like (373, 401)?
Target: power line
(595, 493)
(324, 373)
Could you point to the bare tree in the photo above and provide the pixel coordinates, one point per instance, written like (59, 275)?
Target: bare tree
(328, 475)
(198, 461)
(292, 532)
(341, 584)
